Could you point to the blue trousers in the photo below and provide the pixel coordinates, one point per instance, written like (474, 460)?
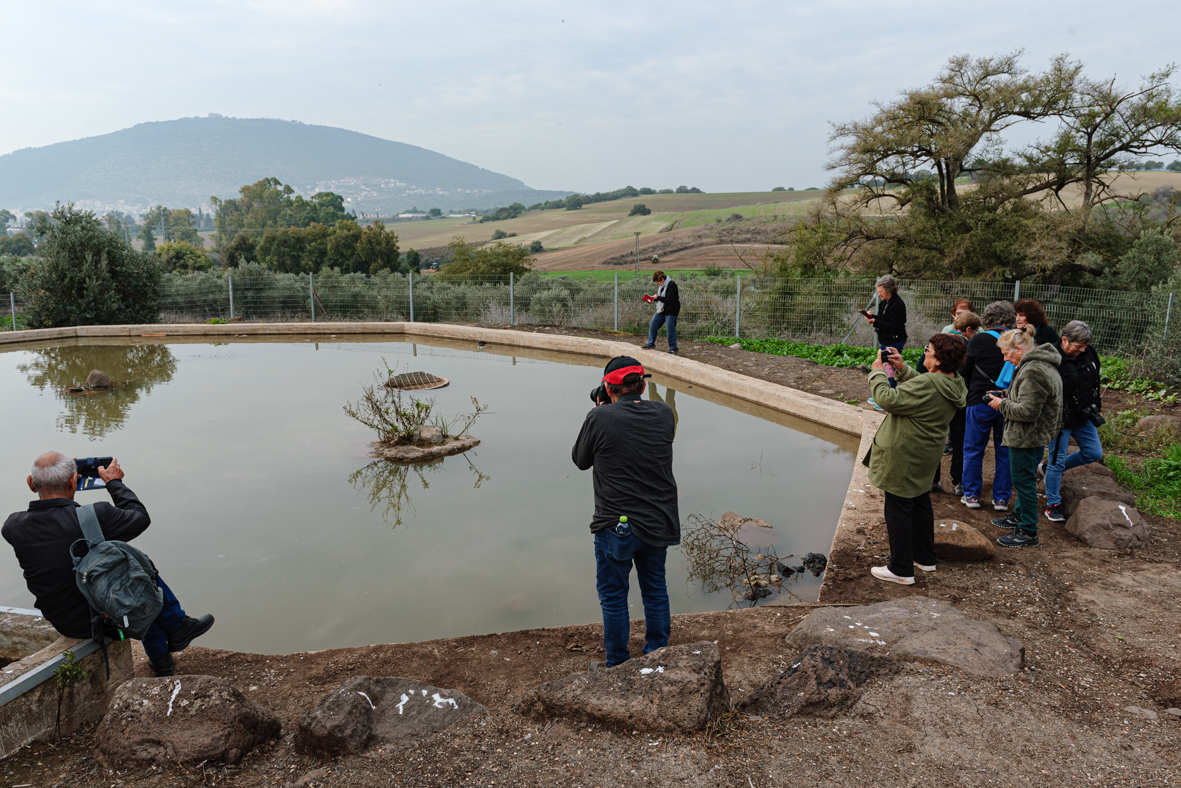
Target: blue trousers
(616, 550)
(1090, 450)
(172, 615)
(980, 420)
(659, 319)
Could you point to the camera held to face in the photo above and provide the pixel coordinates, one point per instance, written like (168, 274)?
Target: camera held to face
(600, 396)
(87, 468)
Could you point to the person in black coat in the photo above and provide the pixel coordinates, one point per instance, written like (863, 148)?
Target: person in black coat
(41, 538)
(668, 307)
(889, 322)
(1081, 405)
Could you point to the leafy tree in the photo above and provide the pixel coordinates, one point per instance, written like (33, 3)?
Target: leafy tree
(666, 191)
(436, 212)
(1151, 261)
(6, 218)
(86, 275)
(1175, 166)
(243, 249)
(779, 189)
(37, 223)
(148, 237)
(414, 261)
(639, 209)
(376, 250)
(536, 247)
(689, 190)
(496, 259)
(183, 256)
(270, 204)
(499, 234)
(19, 245)
(573, 202)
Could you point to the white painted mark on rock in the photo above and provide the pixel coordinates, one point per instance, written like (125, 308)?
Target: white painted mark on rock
(175, 692)
(1124, 511)
(441, 702)
(366, 697)
(402, 703)
(646, 671)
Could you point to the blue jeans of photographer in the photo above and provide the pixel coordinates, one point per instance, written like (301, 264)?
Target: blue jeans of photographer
(171, 616)
(658, 320)
(1090, 450)
(616, 550)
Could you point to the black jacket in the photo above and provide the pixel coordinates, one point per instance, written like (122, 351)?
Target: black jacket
(630, 445)
(890, 321)
(671, 300)
(983, 365)
(42, 537)
(1080, 387)
(1046, 336)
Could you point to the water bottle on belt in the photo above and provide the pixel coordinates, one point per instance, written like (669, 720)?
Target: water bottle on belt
(622, 528)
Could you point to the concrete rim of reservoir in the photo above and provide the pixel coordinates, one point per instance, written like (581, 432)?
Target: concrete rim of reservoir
(837, 422)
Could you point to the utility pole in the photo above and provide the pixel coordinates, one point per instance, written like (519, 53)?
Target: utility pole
(636, 264)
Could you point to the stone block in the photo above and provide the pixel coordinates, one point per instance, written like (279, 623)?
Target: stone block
(956, 541)
(1109, 525)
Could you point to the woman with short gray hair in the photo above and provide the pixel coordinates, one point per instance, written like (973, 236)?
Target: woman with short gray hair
(1081, 418)
(889, 322)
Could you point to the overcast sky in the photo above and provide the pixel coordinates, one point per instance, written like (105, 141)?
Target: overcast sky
(727, 96)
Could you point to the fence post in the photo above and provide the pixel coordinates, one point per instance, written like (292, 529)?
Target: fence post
(12, 303)
(1017, 291)
(738, 306)
(512, 304)
(312, 295)
(410, 276)
(231, 280)
(1168, 313)
(616, 302)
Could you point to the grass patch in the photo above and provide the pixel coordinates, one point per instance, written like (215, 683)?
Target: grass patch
(1157, 482)
(6, 322)
(1119, 374)
(828, 355)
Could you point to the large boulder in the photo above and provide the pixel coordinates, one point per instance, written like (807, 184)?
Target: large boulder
(1110, 525)
(822, 682)
(956, 541)
(1159, 422)
(185, 719)
(1092, 481)
(673, 689)
(916, 628)
(365, 712)
(97, 379)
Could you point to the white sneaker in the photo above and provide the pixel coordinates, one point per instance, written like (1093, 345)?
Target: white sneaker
(884, 573)
(1000, 506)
(930, 568)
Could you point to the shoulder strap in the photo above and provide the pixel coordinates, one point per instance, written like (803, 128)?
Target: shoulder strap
(993, 332)
(91, 530)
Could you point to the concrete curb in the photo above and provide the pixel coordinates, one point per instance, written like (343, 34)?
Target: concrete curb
(856, 422)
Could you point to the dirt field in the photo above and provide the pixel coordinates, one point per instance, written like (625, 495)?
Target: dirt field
(1100, 631)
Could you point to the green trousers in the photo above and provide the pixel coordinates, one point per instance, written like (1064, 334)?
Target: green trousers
(1023, 467)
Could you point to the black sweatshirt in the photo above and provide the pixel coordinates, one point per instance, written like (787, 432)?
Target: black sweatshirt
(982, 353)
(671, 300)
(42, 537)
(630, 445)
(1080, 387)
(890, 321)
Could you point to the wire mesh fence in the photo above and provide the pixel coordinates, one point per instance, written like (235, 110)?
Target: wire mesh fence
(818, 311)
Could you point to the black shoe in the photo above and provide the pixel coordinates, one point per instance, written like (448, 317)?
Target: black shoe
(947, 448)
(673, 350)
(1055, 514)
(647, 347)
(1018, 538)
(163, 666)
(1008, 521)
(190, 630)
(936, 487)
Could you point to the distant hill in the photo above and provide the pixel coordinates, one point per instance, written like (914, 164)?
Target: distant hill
(182, 163)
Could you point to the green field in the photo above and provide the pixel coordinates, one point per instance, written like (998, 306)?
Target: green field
(625, 272)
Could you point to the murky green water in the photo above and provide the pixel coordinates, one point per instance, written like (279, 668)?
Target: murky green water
(267, 513)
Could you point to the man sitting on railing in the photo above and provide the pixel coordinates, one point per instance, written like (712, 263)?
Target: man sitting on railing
(42, 537)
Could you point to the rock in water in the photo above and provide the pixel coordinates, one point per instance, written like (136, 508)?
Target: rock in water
(1092, 481)
(956, 541)
(822, 682)
(678, 688)
(428, 435)
(1110, 525)
(917, 628)
(97, 379)
(365, 712)
(186, 719)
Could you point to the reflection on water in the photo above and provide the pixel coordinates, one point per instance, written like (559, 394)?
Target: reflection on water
(387, 485)
(138, 368)
(669, 398)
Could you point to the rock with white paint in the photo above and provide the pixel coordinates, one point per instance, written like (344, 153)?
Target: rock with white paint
(1110, 525)
(1092, 481)
(916, 628)
(956, 541)
(181, 719)
(673, 689)
(366, 712)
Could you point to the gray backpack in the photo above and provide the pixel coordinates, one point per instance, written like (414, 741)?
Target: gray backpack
(117, 580)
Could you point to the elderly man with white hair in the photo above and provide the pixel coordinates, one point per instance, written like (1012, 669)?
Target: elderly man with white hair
(42, 535)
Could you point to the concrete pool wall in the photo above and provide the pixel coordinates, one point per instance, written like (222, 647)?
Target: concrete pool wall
(846, 425)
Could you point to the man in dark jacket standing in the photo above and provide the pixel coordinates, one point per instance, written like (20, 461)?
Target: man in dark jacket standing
(42, 537)
(668, 308)
(981, 372)
(629, 443)
(1081, 404)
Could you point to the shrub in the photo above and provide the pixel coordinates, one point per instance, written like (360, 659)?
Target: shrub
(639, 209)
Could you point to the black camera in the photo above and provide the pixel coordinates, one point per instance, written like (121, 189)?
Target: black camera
(87, 468)
(1092, 414)
(998, 393)
(885, 355)
(600, 396)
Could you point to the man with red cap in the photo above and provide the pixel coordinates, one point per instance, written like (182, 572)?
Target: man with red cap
(629, 442)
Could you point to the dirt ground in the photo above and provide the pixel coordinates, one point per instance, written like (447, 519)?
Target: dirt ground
(1100, 629)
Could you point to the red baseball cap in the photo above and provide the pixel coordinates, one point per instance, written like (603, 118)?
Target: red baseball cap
(620, 367)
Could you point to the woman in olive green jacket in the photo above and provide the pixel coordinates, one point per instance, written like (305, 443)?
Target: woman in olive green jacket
(908, 447)
(1033, 416)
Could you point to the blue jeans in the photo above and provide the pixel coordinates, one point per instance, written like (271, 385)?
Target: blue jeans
(898, 347)
(979, 422)
(615, 552)
(659, 319)
(1090, 450)
(172, 615)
